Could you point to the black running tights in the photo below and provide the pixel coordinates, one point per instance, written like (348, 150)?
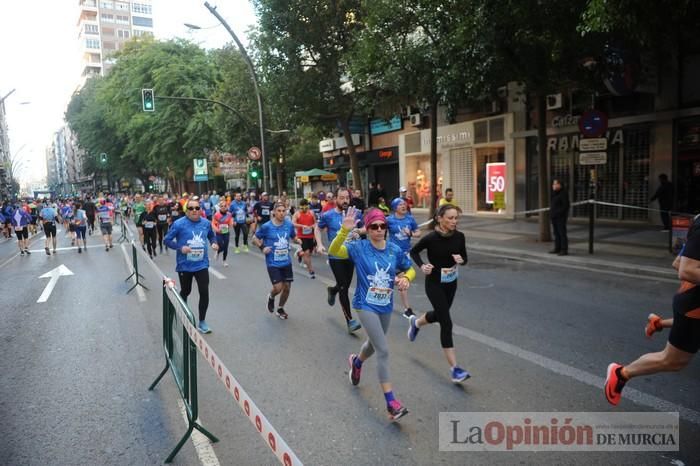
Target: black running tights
(342, 271)
(202, 277)
(441, 296)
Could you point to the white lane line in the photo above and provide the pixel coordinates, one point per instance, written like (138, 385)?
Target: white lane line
(139, 290)
(557, 367)
(216, 273)
(201, 443)
(70, 248)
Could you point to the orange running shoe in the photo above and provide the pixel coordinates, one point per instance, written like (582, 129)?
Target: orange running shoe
(614, 384)
(653, 325)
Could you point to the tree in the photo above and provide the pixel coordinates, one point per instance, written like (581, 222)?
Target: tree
(301, 47)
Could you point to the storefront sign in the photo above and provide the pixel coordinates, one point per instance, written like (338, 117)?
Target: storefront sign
(326, 145)
(461, 138)
(331, 177)
(200, 170)
(389, 154)
(495, 182)
(566, 120)
(381, 126)
(569, 142)
(593, 158)
(592, 144)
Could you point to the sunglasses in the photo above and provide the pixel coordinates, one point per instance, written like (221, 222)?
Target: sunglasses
(377, 226)
(194, 208)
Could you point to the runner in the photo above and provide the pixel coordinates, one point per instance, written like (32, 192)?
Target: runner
(189, 236)
(48, 219)
(20, 224)
(273, 240)
(239, 212)
(90, 207)
(402, 227)
(446, 248)
(342, 268)
(222, 224)
(684, 338)
(34, 213)
(305, 222)
(148, 221)
(380, 265)
(138, 208)
(262, 210)
(162, 211)
(67, 216)
(80, 226)
(104, 214)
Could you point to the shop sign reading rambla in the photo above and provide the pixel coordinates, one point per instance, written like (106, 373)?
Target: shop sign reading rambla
(569, 142)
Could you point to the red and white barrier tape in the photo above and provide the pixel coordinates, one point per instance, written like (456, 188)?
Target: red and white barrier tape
(272, 438)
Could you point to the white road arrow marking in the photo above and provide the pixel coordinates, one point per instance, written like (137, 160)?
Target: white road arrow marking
(54, 275)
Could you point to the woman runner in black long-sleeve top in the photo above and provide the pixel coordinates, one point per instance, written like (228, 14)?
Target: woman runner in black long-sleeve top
(446, 249)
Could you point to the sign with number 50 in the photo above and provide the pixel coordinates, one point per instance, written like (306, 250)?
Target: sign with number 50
(495, 180)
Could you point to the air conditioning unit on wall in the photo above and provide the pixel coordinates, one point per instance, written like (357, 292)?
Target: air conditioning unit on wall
(553, 101)
(416, 119)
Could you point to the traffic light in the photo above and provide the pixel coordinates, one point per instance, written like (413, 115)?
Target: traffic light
(103, 158)
(149, 100)
(254, 170)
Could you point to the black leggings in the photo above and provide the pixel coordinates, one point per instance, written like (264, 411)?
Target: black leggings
(149, 237)
(202, 277)
(342, 271)
(238, 228)
(441, 296)
(162, 231)
(222, 241)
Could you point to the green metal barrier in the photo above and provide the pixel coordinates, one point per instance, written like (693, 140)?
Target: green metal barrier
(135, 273)
(181, 359)
(124, 236)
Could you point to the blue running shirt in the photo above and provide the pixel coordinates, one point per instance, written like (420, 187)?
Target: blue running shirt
(276, 237)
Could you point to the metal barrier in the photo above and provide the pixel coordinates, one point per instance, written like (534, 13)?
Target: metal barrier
(124, 236)
(135, 266)
(181, 359)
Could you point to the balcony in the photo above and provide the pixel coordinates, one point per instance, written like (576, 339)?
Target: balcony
(88, 5)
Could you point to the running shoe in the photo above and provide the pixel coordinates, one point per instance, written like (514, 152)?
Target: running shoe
(354, 372)
(111, 245)
(203, 327)
(353, 326)
(281, 314)
(28, 252)
(331, 295)
(408, 312)
(459, 375)
(653, 325)
(245, 248)
(614, 384)
(298, 254)
(21, 252)
(225, 264)
(107, 248)
(236, 251)
(80, 250)
(270, 303)
(413, 328)
(396, 410)
(48, 253)
(312, 275)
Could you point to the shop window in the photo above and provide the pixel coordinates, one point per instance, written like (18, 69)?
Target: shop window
(418, 178)
(481, 132)
(483, 156)
(413, 143)
(496, 129)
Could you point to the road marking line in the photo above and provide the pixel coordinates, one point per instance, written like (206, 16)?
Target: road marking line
(202, 445)
(216, 273)
(69, 248)
(139, 290)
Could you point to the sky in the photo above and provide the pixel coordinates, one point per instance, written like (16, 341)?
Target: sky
(40, 59)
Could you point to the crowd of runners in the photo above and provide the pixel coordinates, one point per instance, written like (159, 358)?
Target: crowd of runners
(380, 246)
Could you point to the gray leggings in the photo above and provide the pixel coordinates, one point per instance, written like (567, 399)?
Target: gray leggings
(376, 326)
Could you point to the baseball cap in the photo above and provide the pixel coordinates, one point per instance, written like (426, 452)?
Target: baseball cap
(403, 189)
(264, 193)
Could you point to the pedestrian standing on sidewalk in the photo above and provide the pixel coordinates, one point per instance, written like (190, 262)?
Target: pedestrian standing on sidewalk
(664, 194)
(558, 214)
(684, 338)
(190, 237)
(446, 249)
(381, 266)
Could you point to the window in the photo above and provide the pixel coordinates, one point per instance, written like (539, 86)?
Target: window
(107, 5)
(107, 31)
(106, 18)
(144, 22)
(121, 6)
(92, 43)
(123, 33)
(140, 33)
(108, 45)
(141, 8)
(122, 19)
(91, 29)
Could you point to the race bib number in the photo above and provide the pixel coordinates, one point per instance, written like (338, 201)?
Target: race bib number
(281, 255)
(162, 217)
(196, 254)
(149, 224)
(306, 230)
(19, 228)
(240, 216)
(174, 213)
(448, 275)
(265, 212)
(224, 229)
(378, 296)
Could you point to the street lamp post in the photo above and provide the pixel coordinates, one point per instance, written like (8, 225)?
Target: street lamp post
(251, 68)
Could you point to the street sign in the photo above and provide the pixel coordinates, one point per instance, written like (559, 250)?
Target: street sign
(200, 170)
(254, 153)
(593, 158)
(592, 144)
(593, 123)
(495, 180)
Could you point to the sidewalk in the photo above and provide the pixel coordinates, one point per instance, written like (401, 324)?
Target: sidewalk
(635, 249)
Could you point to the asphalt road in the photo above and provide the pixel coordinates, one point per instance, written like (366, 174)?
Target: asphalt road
(535, 338)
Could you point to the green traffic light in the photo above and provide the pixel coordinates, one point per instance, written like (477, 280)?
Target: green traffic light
(253, 174)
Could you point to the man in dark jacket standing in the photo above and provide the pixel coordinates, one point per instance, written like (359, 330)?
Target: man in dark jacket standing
(559, 212)
(664, 194)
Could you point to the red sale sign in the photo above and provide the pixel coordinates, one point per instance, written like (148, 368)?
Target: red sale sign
(495, 180)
